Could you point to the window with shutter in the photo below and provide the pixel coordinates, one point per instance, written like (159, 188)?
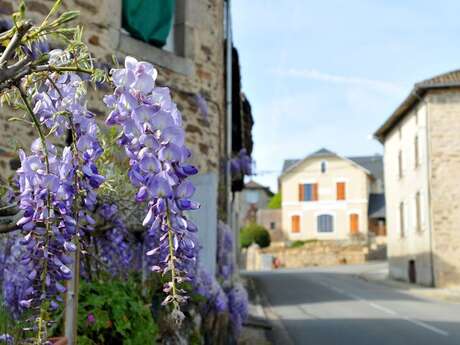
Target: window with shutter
(295, 223)
(301, 192)
(401, 219)
(325, 223)
(308, 192)
(354, 223)
(341, 188)
(149, 21)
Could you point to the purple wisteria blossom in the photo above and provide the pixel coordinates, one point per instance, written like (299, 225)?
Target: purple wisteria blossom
(241, 165)
(238, 307)
(57, 191)
(115, 247)
(225, 252)
(46, 195)
(206, 285)
(154, 140)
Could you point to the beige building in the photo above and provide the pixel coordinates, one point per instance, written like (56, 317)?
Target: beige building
(422, 166)
(329, 197)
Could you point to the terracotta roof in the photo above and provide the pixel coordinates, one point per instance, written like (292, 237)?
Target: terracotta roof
(445, 80)
(254, 185)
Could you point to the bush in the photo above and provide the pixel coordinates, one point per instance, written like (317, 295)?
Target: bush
(301, 243)
(275, 201)
(254, 233)
(113, 313)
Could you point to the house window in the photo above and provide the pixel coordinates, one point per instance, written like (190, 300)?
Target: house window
(252, 197)
(341, 190)
(418, 221)
(272, 225)
(150, 21)
(401, 219)
(295, 223)
(416, 153)
(400, 164)
(325, 223)
(308, 192)
(354, 223)
(323, 167)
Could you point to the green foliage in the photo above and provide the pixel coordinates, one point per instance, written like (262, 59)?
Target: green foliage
(120, 315)
(275, 201)
(301, 243)
(254, 233)
(15, 328)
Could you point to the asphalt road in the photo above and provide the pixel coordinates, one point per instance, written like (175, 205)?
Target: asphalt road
(333, 306)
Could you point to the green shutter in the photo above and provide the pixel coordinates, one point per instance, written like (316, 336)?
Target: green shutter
(149, 20)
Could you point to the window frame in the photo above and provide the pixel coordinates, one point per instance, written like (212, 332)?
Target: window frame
(344, 191)
(323, 167)
(299, 219)
(402, 221)
(318, 223)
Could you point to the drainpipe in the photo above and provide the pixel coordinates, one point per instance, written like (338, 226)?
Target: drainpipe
(228, 31)
(428, 176)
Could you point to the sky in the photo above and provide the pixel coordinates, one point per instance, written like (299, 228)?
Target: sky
(328, 73)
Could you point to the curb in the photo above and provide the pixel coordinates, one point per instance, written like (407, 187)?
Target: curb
(278, 334)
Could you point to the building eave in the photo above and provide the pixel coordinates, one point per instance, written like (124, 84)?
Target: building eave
(416, 95)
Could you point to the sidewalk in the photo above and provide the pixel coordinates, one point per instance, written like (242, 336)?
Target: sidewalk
(381, 276)
(257, 326)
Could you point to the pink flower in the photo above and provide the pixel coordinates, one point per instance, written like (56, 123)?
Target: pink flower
(91, 319)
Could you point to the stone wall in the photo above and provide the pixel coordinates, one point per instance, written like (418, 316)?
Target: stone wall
(444, 126)
(320, 253)
(268, 218)
(196, 68)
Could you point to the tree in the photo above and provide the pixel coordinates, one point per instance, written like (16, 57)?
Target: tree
(254, 233)
(275, 201)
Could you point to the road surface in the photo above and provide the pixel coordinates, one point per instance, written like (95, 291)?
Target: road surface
(333, 306)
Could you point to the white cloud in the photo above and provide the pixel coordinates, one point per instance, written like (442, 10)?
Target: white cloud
(313, 74)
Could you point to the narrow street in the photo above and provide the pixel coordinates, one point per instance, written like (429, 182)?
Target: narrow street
(334, 306)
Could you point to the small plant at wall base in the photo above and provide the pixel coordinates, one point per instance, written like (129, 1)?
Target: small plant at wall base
(254, 233)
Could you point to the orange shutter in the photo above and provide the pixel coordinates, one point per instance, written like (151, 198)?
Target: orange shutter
(295, 223)
(354, 223)
(340, 190)
(315, 192)
(301, 192)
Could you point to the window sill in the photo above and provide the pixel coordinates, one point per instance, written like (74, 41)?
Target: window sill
(144, 51)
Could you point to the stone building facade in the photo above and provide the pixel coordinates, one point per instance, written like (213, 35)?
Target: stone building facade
(422, 159)
(192, 65)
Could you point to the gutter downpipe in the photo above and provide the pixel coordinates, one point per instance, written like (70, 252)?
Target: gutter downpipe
(428, 176)
(228, 157)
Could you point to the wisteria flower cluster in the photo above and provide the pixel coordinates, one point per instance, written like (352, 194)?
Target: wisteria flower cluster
(238, 306)
(206, 285)
(116, 249)
(154, 141)
(241, 165)
(225, 252)
(57, 189)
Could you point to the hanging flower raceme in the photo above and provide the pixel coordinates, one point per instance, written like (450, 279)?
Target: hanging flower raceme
(50, 182)
(206, 285)
(225, 252)
(241, 165)
(238, 307)
(48, 225)
(61, 106)
(154, 140)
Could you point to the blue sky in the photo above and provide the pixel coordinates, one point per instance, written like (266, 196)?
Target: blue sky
(328, 73)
